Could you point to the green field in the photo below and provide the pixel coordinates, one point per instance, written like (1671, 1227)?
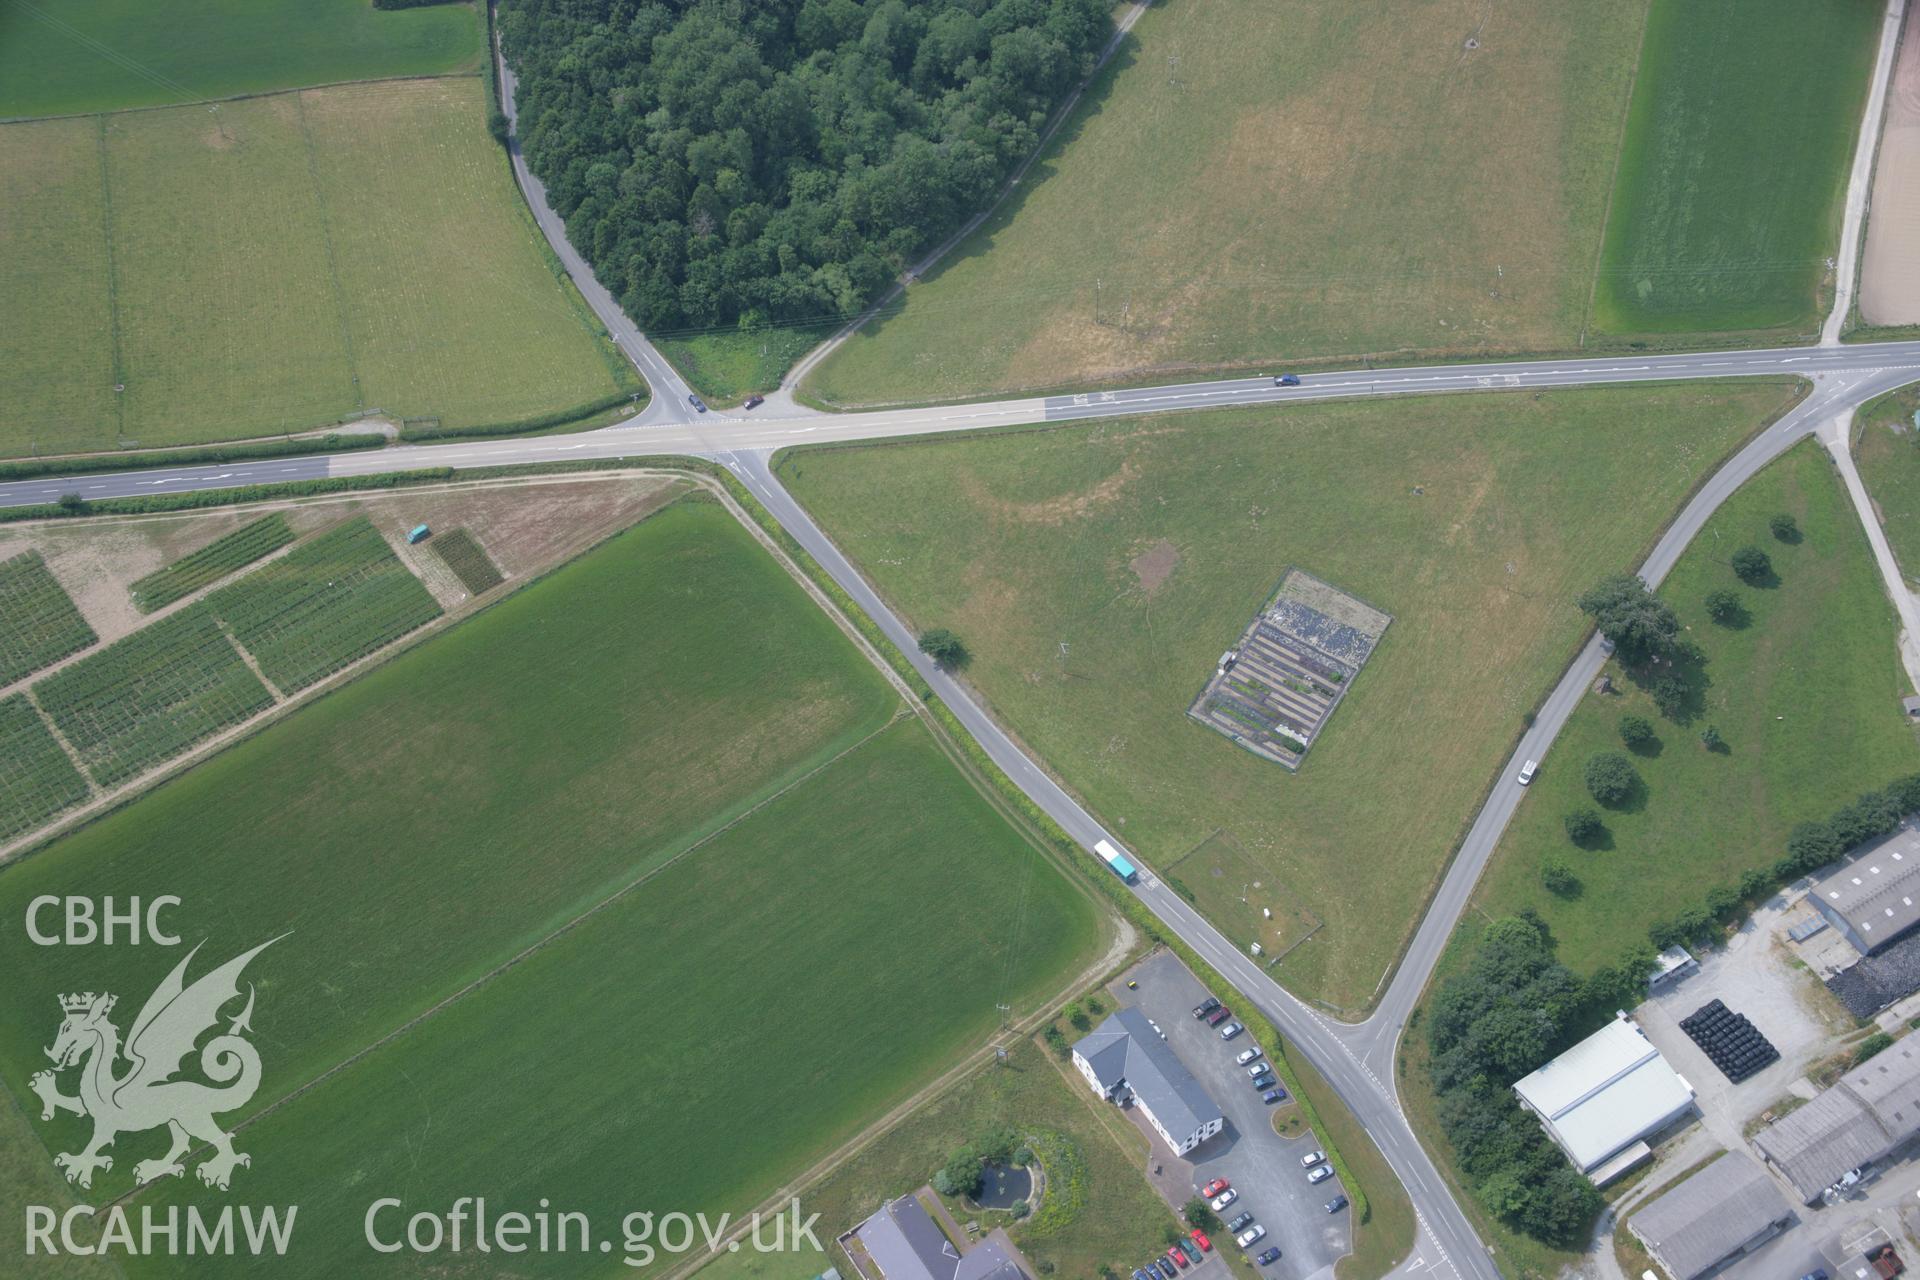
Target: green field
(463, 554)
(1805, 690)
(38, 623)
(276, 264)
(329, 602)
(63, 57)
(1734, 164)
(1474, 521)
(211, 563)
(728, 366)
(1887, 451)
(1251, 181)
(37, 780)
(150, 696)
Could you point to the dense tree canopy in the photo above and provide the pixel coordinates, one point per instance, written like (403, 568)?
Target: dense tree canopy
(759, 160)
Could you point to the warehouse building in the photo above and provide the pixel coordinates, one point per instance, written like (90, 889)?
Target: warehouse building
(1868, 1112)
(1874, 898)
(1124, 1057)
(1729, 1208)
(1601, 1099)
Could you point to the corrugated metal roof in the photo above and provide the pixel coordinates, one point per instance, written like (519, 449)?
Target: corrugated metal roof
(1605, 1092)
(1710, 1215)
(1877, 892)
(1868, 1111)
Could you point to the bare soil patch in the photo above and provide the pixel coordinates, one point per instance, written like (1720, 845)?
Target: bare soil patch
(1890, 268)
(1155, 565)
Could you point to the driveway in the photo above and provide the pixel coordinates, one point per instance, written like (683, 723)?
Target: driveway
(1262, 1166)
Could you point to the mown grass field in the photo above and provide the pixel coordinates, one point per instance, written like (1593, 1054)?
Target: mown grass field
(1116, 1219)
(1474, 521)
(276, 264)
(698, 1042)
(1733, 166)
(1886, 449)
(1805, 691)
(27, 1177)
(39, 624)
(64, 57)
(727, 367)
(1322, 180)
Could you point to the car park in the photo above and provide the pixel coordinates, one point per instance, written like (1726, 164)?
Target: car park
(1312, 1158)
(1218, 1015)
(1274, 1095)
(1214, 1188)
(1205, 1007)
(1199, 1237)
(1240, 1223)
(1336, 1204)
(1270, 1256)
(1248, 1238)
(1231, 1030)
(1224, 1199)
(1527, 771)
(1248, 1055)
(1320, 1174)
(1286, 379)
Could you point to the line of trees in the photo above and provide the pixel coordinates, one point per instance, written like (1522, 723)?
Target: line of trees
(750, 161)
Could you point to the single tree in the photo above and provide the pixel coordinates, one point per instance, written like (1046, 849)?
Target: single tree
(1636, 732)
(73, 504)
(1639, 623)
(1583, 824)
(1784, 528)
(1199, 1215)
(1752, 564)
(1710, 738)
(943, 647)
(1723, 606)
(1559, 878)
(1610, 778)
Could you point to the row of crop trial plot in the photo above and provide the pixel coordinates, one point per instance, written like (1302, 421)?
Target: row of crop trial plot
(39, 624)
(169, 686)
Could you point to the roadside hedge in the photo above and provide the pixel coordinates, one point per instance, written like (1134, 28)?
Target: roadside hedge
(538, 422)
(87, 464)
(224, 497)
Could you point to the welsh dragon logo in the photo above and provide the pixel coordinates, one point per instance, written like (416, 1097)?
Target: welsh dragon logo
(146, 1095)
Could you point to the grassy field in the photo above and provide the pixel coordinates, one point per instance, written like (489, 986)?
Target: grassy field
(1805, 691)
(1887, 451)
(1327, 179)
(222, 556)
(1733, 167)
(727, 367)
(784, 984)
(38, 623)
(275, 264)
(475, 793)
(329, 602)
(27, 1177)
(1474, 521)
(37, 780)
(63, 57)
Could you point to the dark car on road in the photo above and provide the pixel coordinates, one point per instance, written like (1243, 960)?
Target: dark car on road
(1271, 1255)
(754, 402)
(1286, 379)
(699, 405)
(1336, 1204)
(1205, 1007)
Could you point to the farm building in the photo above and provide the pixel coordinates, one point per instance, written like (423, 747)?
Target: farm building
(1600, 1099)
(1866, 1114)
(1729, 1208)
(1874, 898)
(903, 1242)
(1125, 1057)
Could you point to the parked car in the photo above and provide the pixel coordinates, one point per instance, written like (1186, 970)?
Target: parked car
(1259, 1069)
(1248, 1055)
(1320, 1174)
(1224, 1199)
(1270, 1256)
(1263, 1081)
(1312, 1158)
(1286, 379)
(1179, 1257)
(1165, 1268)
(1272, 1096)
(1231, 1030)
(1205, 1007)
(1218, 1016)
(1186, 1249)
(1240, 1223)
(1141, 1275)
(1527, 771)
(1214, 1188)
(754, 402)
(1336, 1204)
(1247, 1239)
(1199, 1237)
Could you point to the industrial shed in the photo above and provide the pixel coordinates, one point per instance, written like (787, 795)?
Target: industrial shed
(1729, 1208)
(1874, 898)
(1868, 1112)
(1599, 1099)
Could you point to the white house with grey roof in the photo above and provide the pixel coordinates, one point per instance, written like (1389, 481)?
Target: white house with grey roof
(1874, 898)
(903, 1242)
(1729, 1208)
(1868, 1112)
(1125, 1057)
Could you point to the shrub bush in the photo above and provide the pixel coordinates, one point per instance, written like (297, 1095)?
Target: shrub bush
(1583, 824)
(1636, 732)
(1783, 527)
(1559, 878)
(1723, 606)
(1610, 778)
(1752, 564)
